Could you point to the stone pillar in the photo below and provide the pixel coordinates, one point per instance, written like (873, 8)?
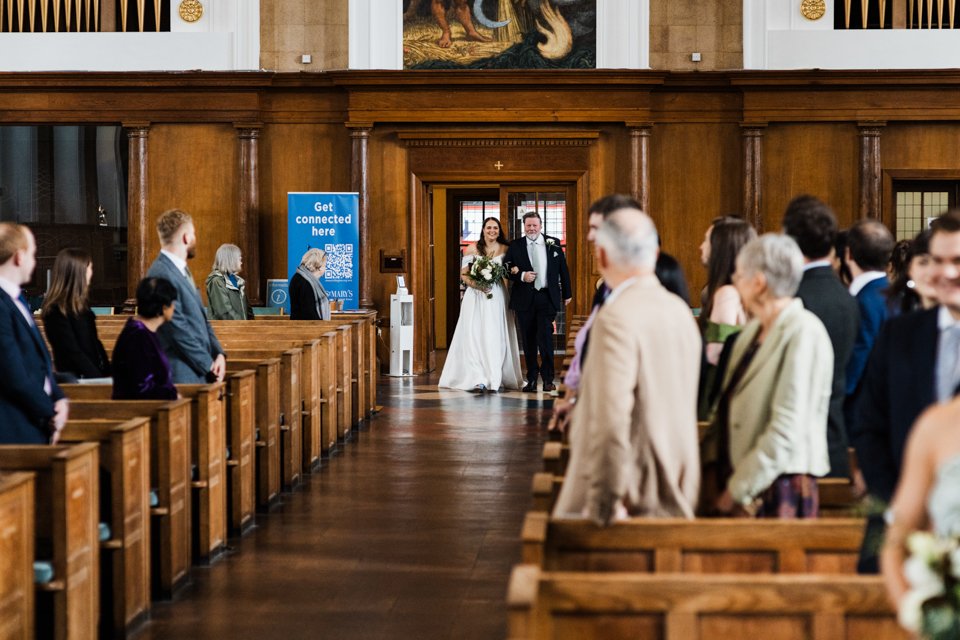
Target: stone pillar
(360, 182)
(640, 164)
(138, 222)
(753, 174)
(870, 176)
(248, 208)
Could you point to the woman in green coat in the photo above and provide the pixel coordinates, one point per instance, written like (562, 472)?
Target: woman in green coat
(225, 289)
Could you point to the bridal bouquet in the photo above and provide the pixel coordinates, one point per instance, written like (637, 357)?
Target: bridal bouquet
(486, 273)
(932, 605)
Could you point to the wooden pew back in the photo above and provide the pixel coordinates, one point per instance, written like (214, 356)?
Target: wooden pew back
(125, 458)
(720, 545)
(267, 411)
(17, 517)
(67, 519)
(547, 605)
(170, 437)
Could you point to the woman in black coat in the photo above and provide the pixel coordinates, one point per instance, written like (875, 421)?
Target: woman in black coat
(308, 298)
(68, 322)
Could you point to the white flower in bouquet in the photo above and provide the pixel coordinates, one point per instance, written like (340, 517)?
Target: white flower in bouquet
(924, 544)
(910, 614)
(922, 577)
(955, 563)
(486, 273)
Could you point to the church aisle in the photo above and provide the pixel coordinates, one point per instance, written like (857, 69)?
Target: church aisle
(409, 532)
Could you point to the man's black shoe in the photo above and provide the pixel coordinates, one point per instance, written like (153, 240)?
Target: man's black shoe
(531, 387)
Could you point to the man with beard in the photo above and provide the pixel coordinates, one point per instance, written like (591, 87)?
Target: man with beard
(194, 352)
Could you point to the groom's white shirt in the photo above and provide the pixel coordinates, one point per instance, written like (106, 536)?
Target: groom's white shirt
(538, 246)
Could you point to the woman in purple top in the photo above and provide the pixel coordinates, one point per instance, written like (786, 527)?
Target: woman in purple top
(141, 370)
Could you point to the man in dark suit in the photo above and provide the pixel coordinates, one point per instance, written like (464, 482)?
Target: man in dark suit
(813, 225)
(542, 284)
(869, 245)
(33, 409)
(188, 339)
(915, 363)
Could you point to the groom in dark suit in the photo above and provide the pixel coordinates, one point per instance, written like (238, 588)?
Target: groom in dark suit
(542, 284)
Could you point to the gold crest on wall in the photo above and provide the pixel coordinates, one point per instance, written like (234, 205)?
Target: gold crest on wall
(813, 9)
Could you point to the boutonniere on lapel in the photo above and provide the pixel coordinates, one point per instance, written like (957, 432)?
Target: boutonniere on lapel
(550, 242)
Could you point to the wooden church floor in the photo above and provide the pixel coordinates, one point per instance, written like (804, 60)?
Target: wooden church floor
(409, 532)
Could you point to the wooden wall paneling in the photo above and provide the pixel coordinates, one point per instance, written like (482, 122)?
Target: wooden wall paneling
(640, 163)
(870, 167)
(138, 220)
(360, 183)
(248, 206)
(752, 172)
(694, 177)
(295, 157)
(192, 167)
(815, 158)
(916, 151)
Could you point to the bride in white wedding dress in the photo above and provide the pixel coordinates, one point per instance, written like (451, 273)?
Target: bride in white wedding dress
(484, 354)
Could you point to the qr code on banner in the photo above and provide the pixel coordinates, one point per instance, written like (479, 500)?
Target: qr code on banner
(339, 261)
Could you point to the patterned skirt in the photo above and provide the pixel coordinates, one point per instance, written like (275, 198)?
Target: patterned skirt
(793, 495)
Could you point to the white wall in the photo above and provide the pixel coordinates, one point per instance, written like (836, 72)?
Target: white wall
(227, 37)
(777, 36)
(623, 34)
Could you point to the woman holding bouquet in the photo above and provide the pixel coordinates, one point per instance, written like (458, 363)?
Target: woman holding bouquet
(484, 354)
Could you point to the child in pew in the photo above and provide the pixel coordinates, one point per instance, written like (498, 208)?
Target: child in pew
(141, 370)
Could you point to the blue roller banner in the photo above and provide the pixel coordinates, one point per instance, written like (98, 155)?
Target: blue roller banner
(328, 221)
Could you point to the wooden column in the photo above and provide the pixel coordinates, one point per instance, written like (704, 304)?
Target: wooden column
(138, 223)
(248, 209)
(360, 182)
(753, 174)
(640, 164)
(870, 177)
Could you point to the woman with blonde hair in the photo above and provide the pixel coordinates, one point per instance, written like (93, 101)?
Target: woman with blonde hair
(225, 289)
(68, 321)
(308, 298)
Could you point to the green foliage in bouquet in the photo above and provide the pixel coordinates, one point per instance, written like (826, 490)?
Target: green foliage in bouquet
(487, 273)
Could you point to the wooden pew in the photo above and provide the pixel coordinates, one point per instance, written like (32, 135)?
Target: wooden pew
(305, 332)
(291, 409)
(267, 440)
(714, 545)
(66, 533)
(207, 455)
(169, 475)
(241, 469)
(551, 605)
(317, 387)
(125, 507)
(17, 517)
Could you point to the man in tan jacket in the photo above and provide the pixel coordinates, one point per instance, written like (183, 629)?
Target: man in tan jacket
(633, 446)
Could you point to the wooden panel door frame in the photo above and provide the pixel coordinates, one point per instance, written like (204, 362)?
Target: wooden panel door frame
(421, 264)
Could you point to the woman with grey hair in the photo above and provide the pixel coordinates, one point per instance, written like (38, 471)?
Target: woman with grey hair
(226, 292)
(771, 419)
(308, 298)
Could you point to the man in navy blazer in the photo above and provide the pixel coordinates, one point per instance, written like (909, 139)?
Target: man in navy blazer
(869, 245)
(33, 409)
(188, 339)
(914, 364)
(537, 295)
